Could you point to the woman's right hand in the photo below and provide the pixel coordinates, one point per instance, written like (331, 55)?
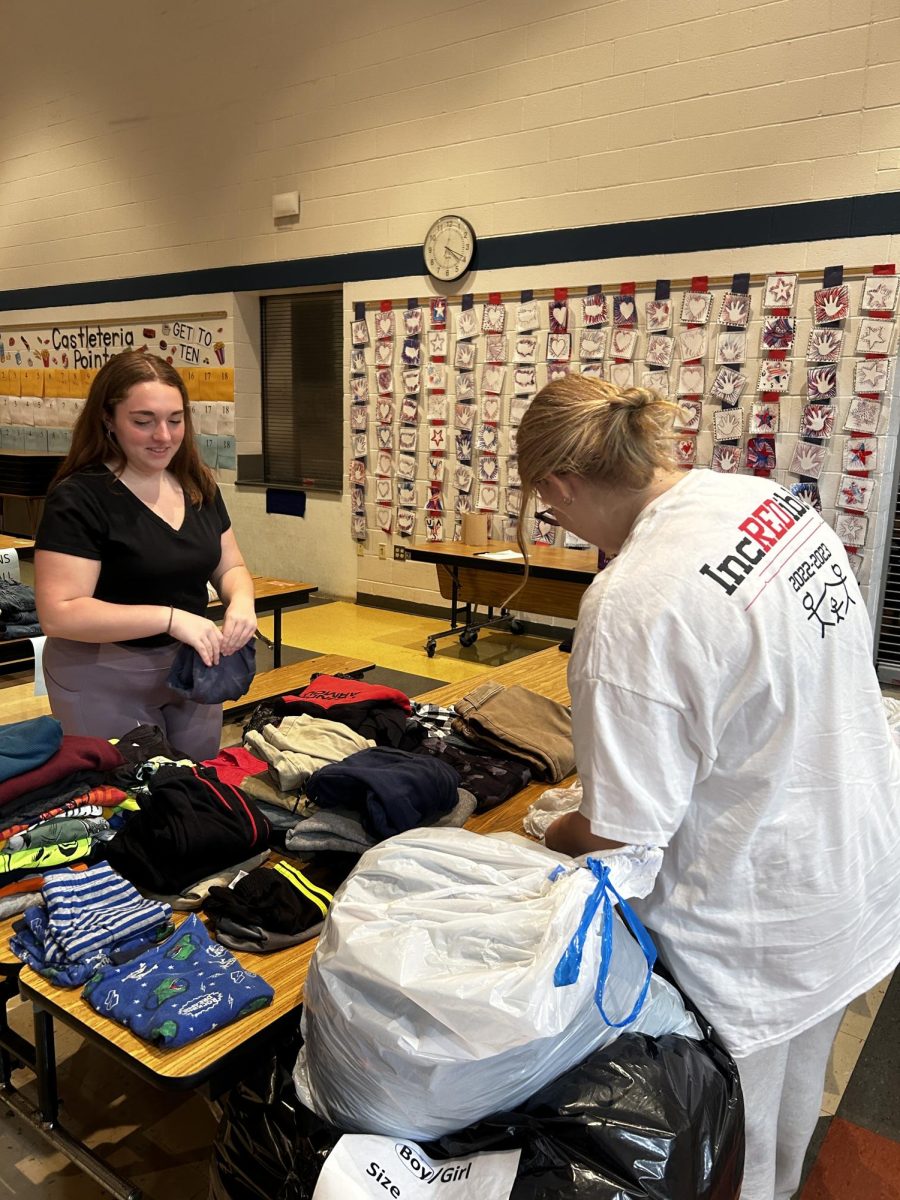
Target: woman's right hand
(201, 633)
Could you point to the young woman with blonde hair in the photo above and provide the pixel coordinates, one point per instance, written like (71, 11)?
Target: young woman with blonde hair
(725, 707)
(133, 528)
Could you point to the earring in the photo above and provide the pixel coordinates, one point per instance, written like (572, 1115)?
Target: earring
(567, 500)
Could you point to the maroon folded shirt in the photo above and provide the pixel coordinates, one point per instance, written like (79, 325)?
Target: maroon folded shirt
(76, 753)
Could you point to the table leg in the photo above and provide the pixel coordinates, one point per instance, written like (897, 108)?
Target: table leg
(45, 1054)
(276, 653)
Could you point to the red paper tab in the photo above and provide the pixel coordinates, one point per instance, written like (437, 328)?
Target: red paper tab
(700, 283)
(561, 294)
(387, 305)
(626, 289)
(494, 297)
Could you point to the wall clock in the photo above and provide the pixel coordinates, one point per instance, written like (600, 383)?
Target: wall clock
(449, 247)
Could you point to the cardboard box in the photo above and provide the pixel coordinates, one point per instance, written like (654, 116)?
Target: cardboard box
(475, 529)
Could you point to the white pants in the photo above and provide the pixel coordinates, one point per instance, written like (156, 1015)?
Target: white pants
(782, 1088)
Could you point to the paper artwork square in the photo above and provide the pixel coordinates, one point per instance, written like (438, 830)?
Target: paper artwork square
(593, 370)
(406, 521)
(851, 528)
(512, 473)
(490, 410)
(384, 435)
(871, 375)
(408, 439)
(688, 416)
(384, 381)
(384, 411)
(824, 345)
(488, 443)
(808, 494)
(462, 477)
(559, 347)
(654, 381)
(465, 386)
(735, 310)
(623, 343)
(493, 318)
(410, 355)
(543, 534)
(359, 389)
(863, 416)
(728, 385)
(465, 416)
(406, 466)
(557, 370)
(880, 293)
(592, 344)
(696, 307)
(660, 350)
(359, 333)
(874, 336)
(464, 356)
(434, 529)
(357, 362)
(728, 424)
(384, 325)
(685, 451)
(467, 326)
(406, 492)
(488, 497)
(831, 304)
(464, 445)
(513, 501)
(409, 410)
(691, 379)
(774, 376)
(763, 418)
(492, 377)
(359, 445)
(808, 459)
(411, 382)
(357, 498)
(779, 333)
(437, 409)
(518, 407)
(438, 438)
(559, 316)
(436, 468)
(624, 310)
(761, 453)
(384, 461)
(692, 344)
(621, 374)
(860, 454)
(731, 348)
(462, 502)
(437, 343)
(527, 316)
(854, 492)
(780, 290)
(435, 377)
(357, 472)
(594, 310)
(495, 348)
(821, 382)
(525, 348)
(725, 459)
(384, 490)
(817, 420)
(659, 315)
(438, 310)
(358, 527)
(384, 354)
(412, 322)
(359, 417)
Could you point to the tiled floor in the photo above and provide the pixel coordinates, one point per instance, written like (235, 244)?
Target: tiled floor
(161, 1140)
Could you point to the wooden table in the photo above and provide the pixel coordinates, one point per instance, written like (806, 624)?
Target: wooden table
(216, 1060)
(24, 547)
(272, 596)
(557, 579)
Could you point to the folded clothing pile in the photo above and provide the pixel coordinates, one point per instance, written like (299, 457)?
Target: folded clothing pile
(524, 724)
(90, 918)
(18, 618)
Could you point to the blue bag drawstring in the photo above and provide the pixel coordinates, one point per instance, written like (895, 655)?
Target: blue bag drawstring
(569, 966)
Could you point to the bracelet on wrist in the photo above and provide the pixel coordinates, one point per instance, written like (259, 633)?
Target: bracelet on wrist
(171, 615)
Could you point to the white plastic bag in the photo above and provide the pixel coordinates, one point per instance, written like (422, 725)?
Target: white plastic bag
(456, 974)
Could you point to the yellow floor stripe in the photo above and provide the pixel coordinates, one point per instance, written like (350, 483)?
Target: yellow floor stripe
(397, 640)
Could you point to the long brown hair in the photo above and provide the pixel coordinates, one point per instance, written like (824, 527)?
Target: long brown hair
(91, 444)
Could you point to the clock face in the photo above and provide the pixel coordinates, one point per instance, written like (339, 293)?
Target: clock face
(449, 247)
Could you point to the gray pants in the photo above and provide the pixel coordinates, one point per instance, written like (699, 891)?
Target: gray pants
(105, 690)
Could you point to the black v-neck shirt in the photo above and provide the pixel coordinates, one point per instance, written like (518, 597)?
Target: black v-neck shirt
(143, 560)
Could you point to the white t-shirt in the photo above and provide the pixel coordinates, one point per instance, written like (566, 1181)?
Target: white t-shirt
(725, 706)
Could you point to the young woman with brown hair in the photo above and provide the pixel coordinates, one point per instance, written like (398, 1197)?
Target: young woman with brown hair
(133, 528)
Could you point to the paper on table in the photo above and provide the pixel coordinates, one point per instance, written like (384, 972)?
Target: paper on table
(501, 554)
(40, 684)
(9, 566)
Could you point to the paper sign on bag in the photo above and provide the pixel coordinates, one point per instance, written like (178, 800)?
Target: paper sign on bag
(365, 1166)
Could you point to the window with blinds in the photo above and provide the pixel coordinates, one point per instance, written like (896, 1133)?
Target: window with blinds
(888, 650)
(302, 390)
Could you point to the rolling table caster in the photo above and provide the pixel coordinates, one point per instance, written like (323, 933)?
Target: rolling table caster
(468, 637)
(430, 647)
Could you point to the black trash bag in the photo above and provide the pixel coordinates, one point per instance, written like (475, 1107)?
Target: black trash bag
(642, 1119)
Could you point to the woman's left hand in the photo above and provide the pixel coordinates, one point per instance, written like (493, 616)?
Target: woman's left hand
(239, 625)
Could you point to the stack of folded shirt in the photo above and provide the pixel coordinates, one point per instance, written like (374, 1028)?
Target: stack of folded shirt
(515, 721)
(302, 744)
(378, 713)
(90, 918)
(18, 618)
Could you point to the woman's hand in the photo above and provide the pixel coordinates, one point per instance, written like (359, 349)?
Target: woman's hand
(239, 625)
(201, 633)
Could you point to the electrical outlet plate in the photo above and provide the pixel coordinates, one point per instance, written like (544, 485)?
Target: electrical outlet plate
(360, 549)
(382, 550)
(400, 553)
